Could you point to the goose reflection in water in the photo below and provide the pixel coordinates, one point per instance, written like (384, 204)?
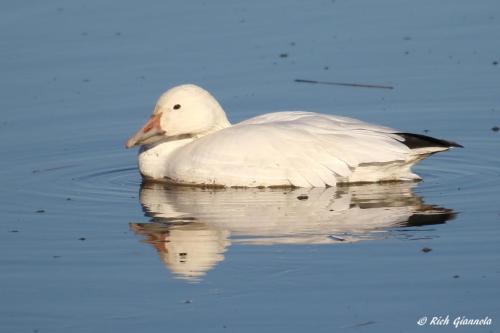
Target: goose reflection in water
(191, 228)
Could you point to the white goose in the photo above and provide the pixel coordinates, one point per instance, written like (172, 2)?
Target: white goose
(188, 140)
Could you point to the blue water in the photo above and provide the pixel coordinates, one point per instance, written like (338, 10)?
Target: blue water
(105, 254)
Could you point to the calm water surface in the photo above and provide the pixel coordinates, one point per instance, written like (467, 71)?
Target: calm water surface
(86, 247)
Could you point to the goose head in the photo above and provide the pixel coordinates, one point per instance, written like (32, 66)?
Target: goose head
(183, 110)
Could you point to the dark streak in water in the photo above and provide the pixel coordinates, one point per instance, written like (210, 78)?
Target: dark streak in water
(55, 168)
(366, 323)
(346, 84)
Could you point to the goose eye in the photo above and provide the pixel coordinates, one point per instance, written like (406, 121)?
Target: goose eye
(177, 106)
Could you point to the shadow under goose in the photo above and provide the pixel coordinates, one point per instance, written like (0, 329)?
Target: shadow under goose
(191, 227)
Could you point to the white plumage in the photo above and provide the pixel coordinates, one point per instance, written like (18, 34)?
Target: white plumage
(302, 149)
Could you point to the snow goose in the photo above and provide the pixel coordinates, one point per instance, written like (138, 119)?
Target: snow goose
(188, 140)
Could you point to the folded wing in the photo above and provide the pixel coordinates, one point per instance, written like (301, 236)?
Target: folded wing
(288, 148)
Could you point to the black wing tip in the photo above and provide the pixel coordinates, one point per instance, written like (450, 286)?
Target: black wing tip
(455, 144)
(414, 141)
